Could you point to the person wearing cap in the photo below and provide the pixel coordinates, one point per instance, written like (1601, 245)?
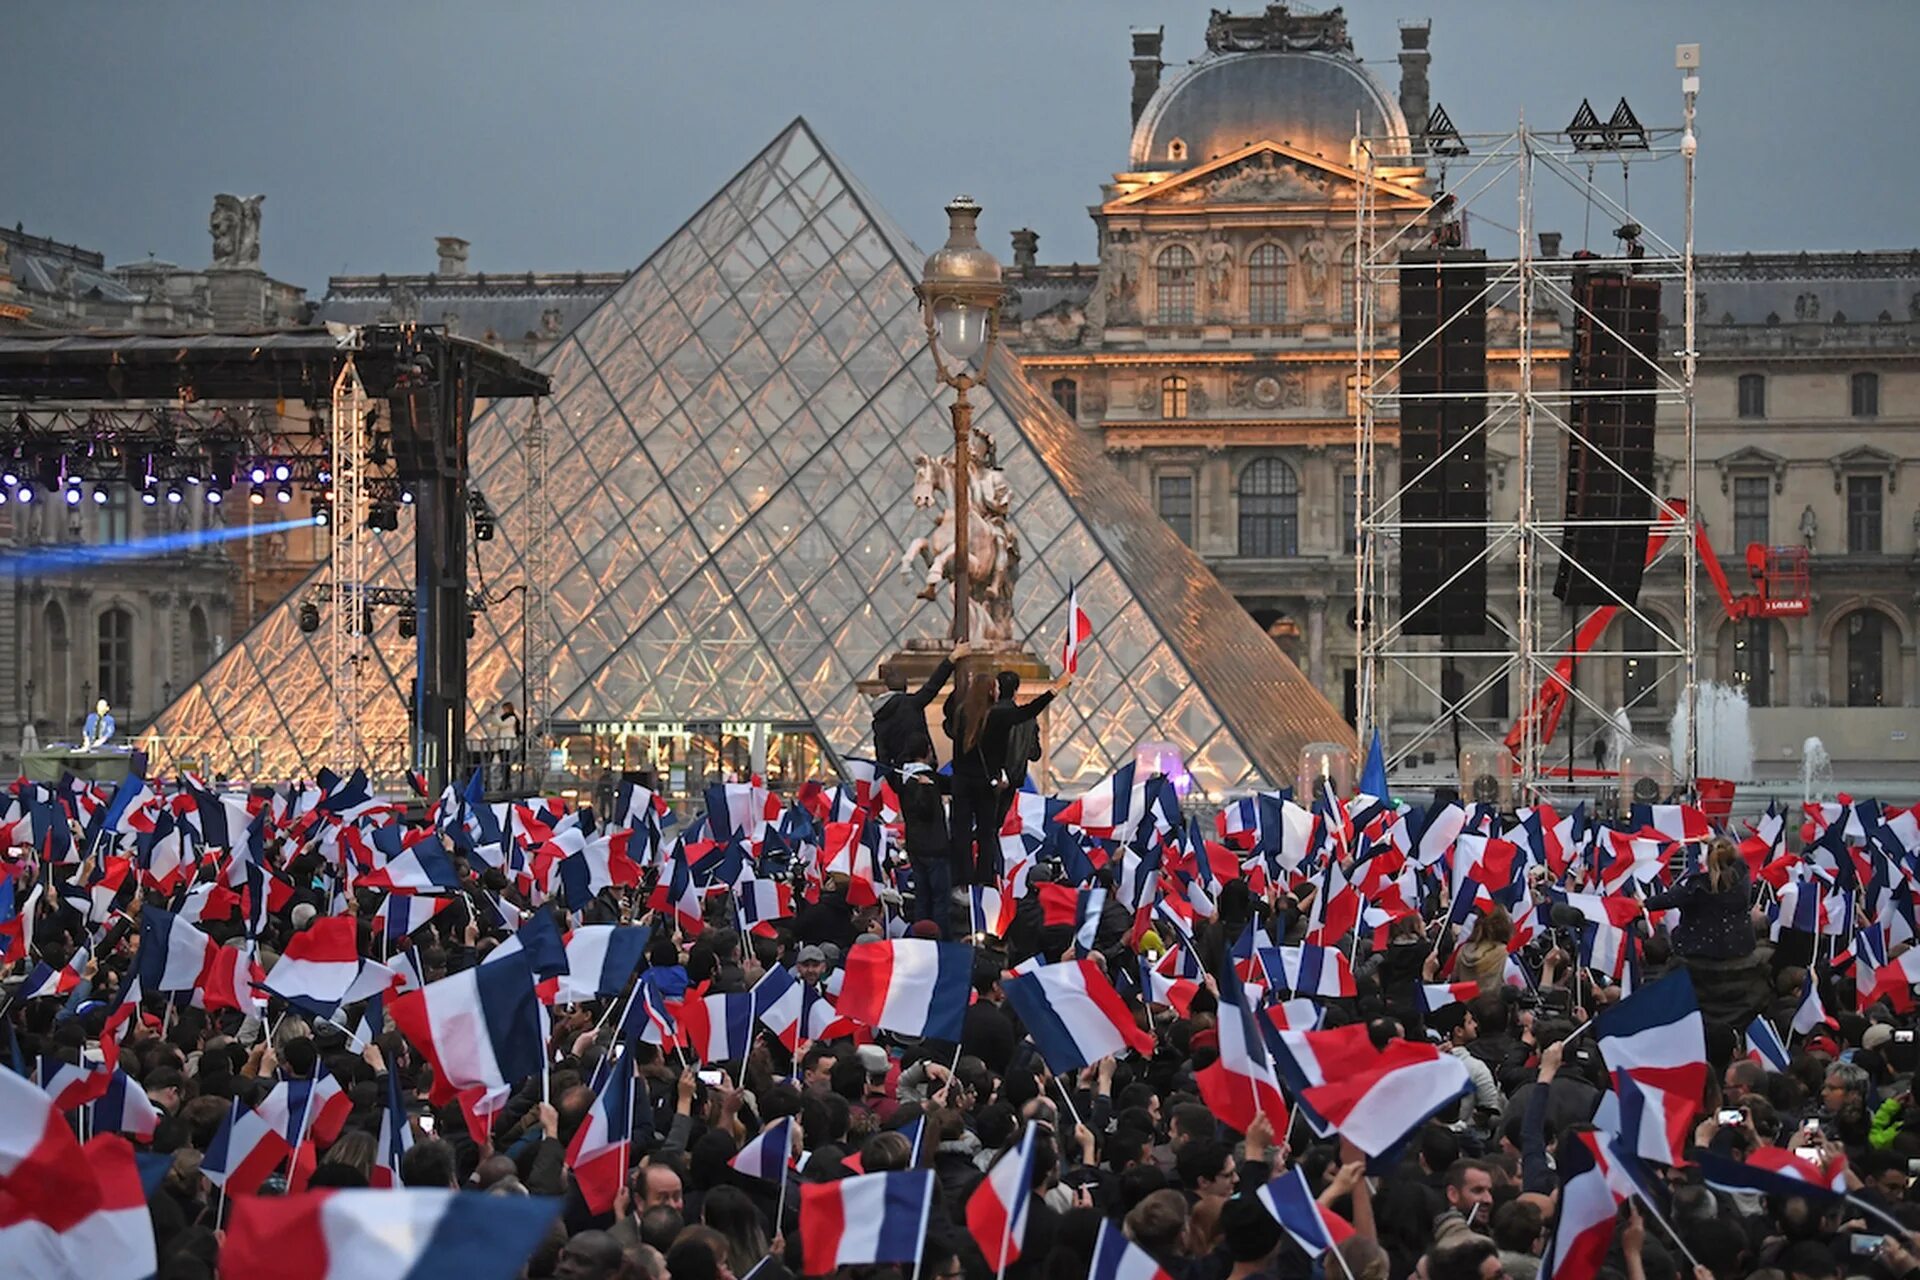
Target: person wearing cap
(810, 964)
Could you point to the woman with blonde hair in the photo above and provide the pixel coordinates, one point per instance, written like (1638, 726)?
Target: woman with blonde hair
(1714, 938)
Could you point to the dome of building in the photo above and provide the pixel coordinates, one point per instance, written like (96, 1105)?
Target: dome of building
(1307, 100)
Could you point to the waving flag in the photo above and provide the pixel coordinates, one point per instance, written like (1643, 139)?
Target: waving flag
(125, 1108)
(1064, 906)
(601, 960)
(992, 911)
(539, 937)
(172, 954)
(795, 1011)
(1764, 1047)
(400, 914)
(1313, 1227)
(1377, 1110)
(1079, 631)
(912, 986)
(1308, 971)
(420, 867)
(1241, 1084)
(1117, 1258)
(1074, 1015)
(599, 1151)
(72, 1085)
(857, 1222)
(247, 1147)
(1768, 1171)
(395, 1138)
(766, 1155)
(414, 1233)
(997, 1209)
(1112, 807)
(1583, 1231)
(481, 1027)
(1656, 1036)
(322, 969)
(717, 1028)
(45, 980)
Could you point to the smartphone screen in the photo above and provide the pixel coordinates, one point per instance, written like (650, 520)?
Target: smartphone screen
(709, 1078)
(1862, 1246)
(1731, 1117)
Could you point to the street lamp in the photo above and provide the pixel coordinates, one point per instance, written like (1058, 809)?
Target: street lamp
(960, 294)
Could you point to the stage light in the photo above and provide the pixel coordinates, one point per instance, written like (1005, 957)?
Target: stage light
(214, 496)
(149, 497)
(322, 512)
(173, 493)
(99, 495)
(193, 477)
(406, 497)
(258, 474)
(256, 495)
(409, 625)
(282, 494)
(309, 616)
(483, 529)
(73, 497)
(10, 478)
(25, 494)
(383, 515)
(3, 497)
(281, 471)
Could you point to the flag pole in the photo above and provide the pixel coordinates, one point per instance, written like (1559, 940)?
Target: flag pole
(1653, 1209)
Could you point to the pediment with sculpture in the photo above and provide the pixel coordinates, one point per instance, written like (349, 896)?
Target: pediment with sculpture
(1266, 178)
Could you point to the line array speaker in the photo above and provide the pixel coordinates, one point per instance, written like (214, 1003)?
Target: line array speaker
(1443, 455)
(1615, 342)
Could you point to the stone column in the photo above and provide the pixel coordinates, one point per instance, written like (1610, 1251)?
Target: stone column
(1317, 643)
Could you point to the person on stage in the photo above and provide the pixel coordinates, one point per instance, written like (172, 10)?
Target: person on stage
(98, 730)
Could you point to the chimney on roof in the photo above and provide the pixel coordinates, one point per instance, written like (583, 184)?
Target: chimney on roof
(1026, 249)
(453, 255)
(1549, 244)
(1146, 66)
(1414, 60)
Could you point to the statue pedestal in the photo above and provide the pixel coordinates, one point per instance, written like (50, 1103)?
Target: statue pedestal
(917, 661)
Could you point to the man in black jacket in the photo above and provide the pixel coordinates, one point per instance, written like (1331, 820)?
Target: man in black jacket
(923, 815)
(981, 790)
(900, 718)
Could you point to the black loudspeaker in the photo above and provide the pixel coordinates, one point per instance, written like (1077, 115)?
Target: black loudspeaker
(1443, 454)
(1616, 338)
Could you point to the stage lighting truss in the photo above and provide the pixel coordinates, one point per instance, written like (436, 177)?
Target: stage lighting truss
(1528, 425)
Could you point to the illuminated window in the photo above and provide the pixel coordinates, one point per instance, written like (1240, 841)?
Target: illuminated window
(1173, 274)
(1173, 397)
(1267, 285)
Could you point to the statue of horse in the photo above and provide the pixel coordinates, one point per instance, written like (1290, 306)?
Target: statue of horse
(992, 548)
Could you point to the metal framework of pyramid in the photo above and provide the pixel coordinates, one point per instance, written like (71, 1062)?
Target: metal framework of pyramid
(731, 439)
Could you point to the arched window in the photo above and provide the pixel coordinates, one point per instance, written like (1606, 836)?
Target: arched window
(1753, 661)
(116, 660)
(1864, 633)
(1173, 278)
(1066, 394)
(1267, 285)
(1866, 395)
(1639, 672)
(200, 641)
(1269, 510)
(1173, 396)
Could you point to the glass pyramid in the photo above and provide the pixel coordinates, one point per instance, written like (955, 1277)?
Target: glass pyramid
(731, 439)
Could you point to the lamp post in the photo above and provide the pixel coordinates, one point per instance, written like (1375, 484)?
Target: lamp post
(960, 294)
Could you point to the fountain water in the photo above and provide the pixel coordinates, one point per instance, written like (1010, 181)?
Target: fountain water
(1726, 733)
(1816, 771)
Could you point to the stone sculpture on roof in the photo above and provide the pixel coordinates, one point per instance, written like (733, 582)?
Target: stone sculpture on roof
(235, 225)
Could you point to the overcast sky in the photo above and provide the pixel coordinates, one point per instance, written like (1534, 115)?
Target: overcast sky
(560, 135)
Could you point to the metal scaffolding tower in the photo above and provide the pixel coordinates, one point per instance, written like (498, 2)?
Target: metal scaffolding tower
(1529, 422)
(347, 563)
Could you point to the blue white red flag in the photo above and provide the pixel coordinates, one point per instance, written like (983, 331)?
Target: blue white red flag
(598, 1154)
(912, 986)
(765, 1157)
(1074, 1015)
(1589, 1203)
(1079, 631)
(997, 1209)
(858, 1222)
(412, 1233)
(481, 1028)
(1313, 1227)
(1117, 1258)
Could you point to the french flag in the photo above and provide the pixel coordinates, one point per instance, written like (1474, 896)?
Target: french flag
(125, 1108)
(997, 1209)
(1893, 982)
(766, 1156)
(1314, 1228)
(414, 1233)
(1079, 631)
(761, 902)
(992, 911)
(1242, 1084)
(1377, 1110)
(322, 969)
(858, 1222)
(1583, 1231)
(1434, 997)
(1063, 906)
(45, 980)
(1764, 1046)
(1657, 1037)
(1074, 1015)
(794, 1011)
(598, 1153)
(1681, 823)
(601, 960)
(395, 1138)
(72, 1085)
(1309, 971)
(400, 914)
(1769, 1171)
(913, 986)
(173, 954)
(422, 867)
(1112, 805)
(247, 1147)
(482, 1027)
(539, 939)
(717, 1028)
(1117, 1258)
(70, 1210)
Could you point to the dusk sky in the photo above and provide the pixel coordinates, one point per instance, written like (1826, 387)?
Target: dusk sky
(564, 136)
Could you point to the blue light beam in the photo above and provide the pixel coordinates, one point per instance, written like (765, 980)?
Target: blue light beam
(45, 559)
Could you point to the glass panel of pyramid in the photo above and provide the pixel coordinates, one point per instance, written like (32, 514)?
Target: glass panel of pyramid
(731, 443)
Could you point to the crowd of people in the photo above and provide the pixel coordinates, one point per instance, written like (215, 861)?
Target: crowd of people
(1514, 986)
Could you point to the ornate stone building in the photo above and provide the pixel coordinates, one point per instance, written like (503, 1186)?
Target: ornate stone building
(1210, 352)
(81, 624)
